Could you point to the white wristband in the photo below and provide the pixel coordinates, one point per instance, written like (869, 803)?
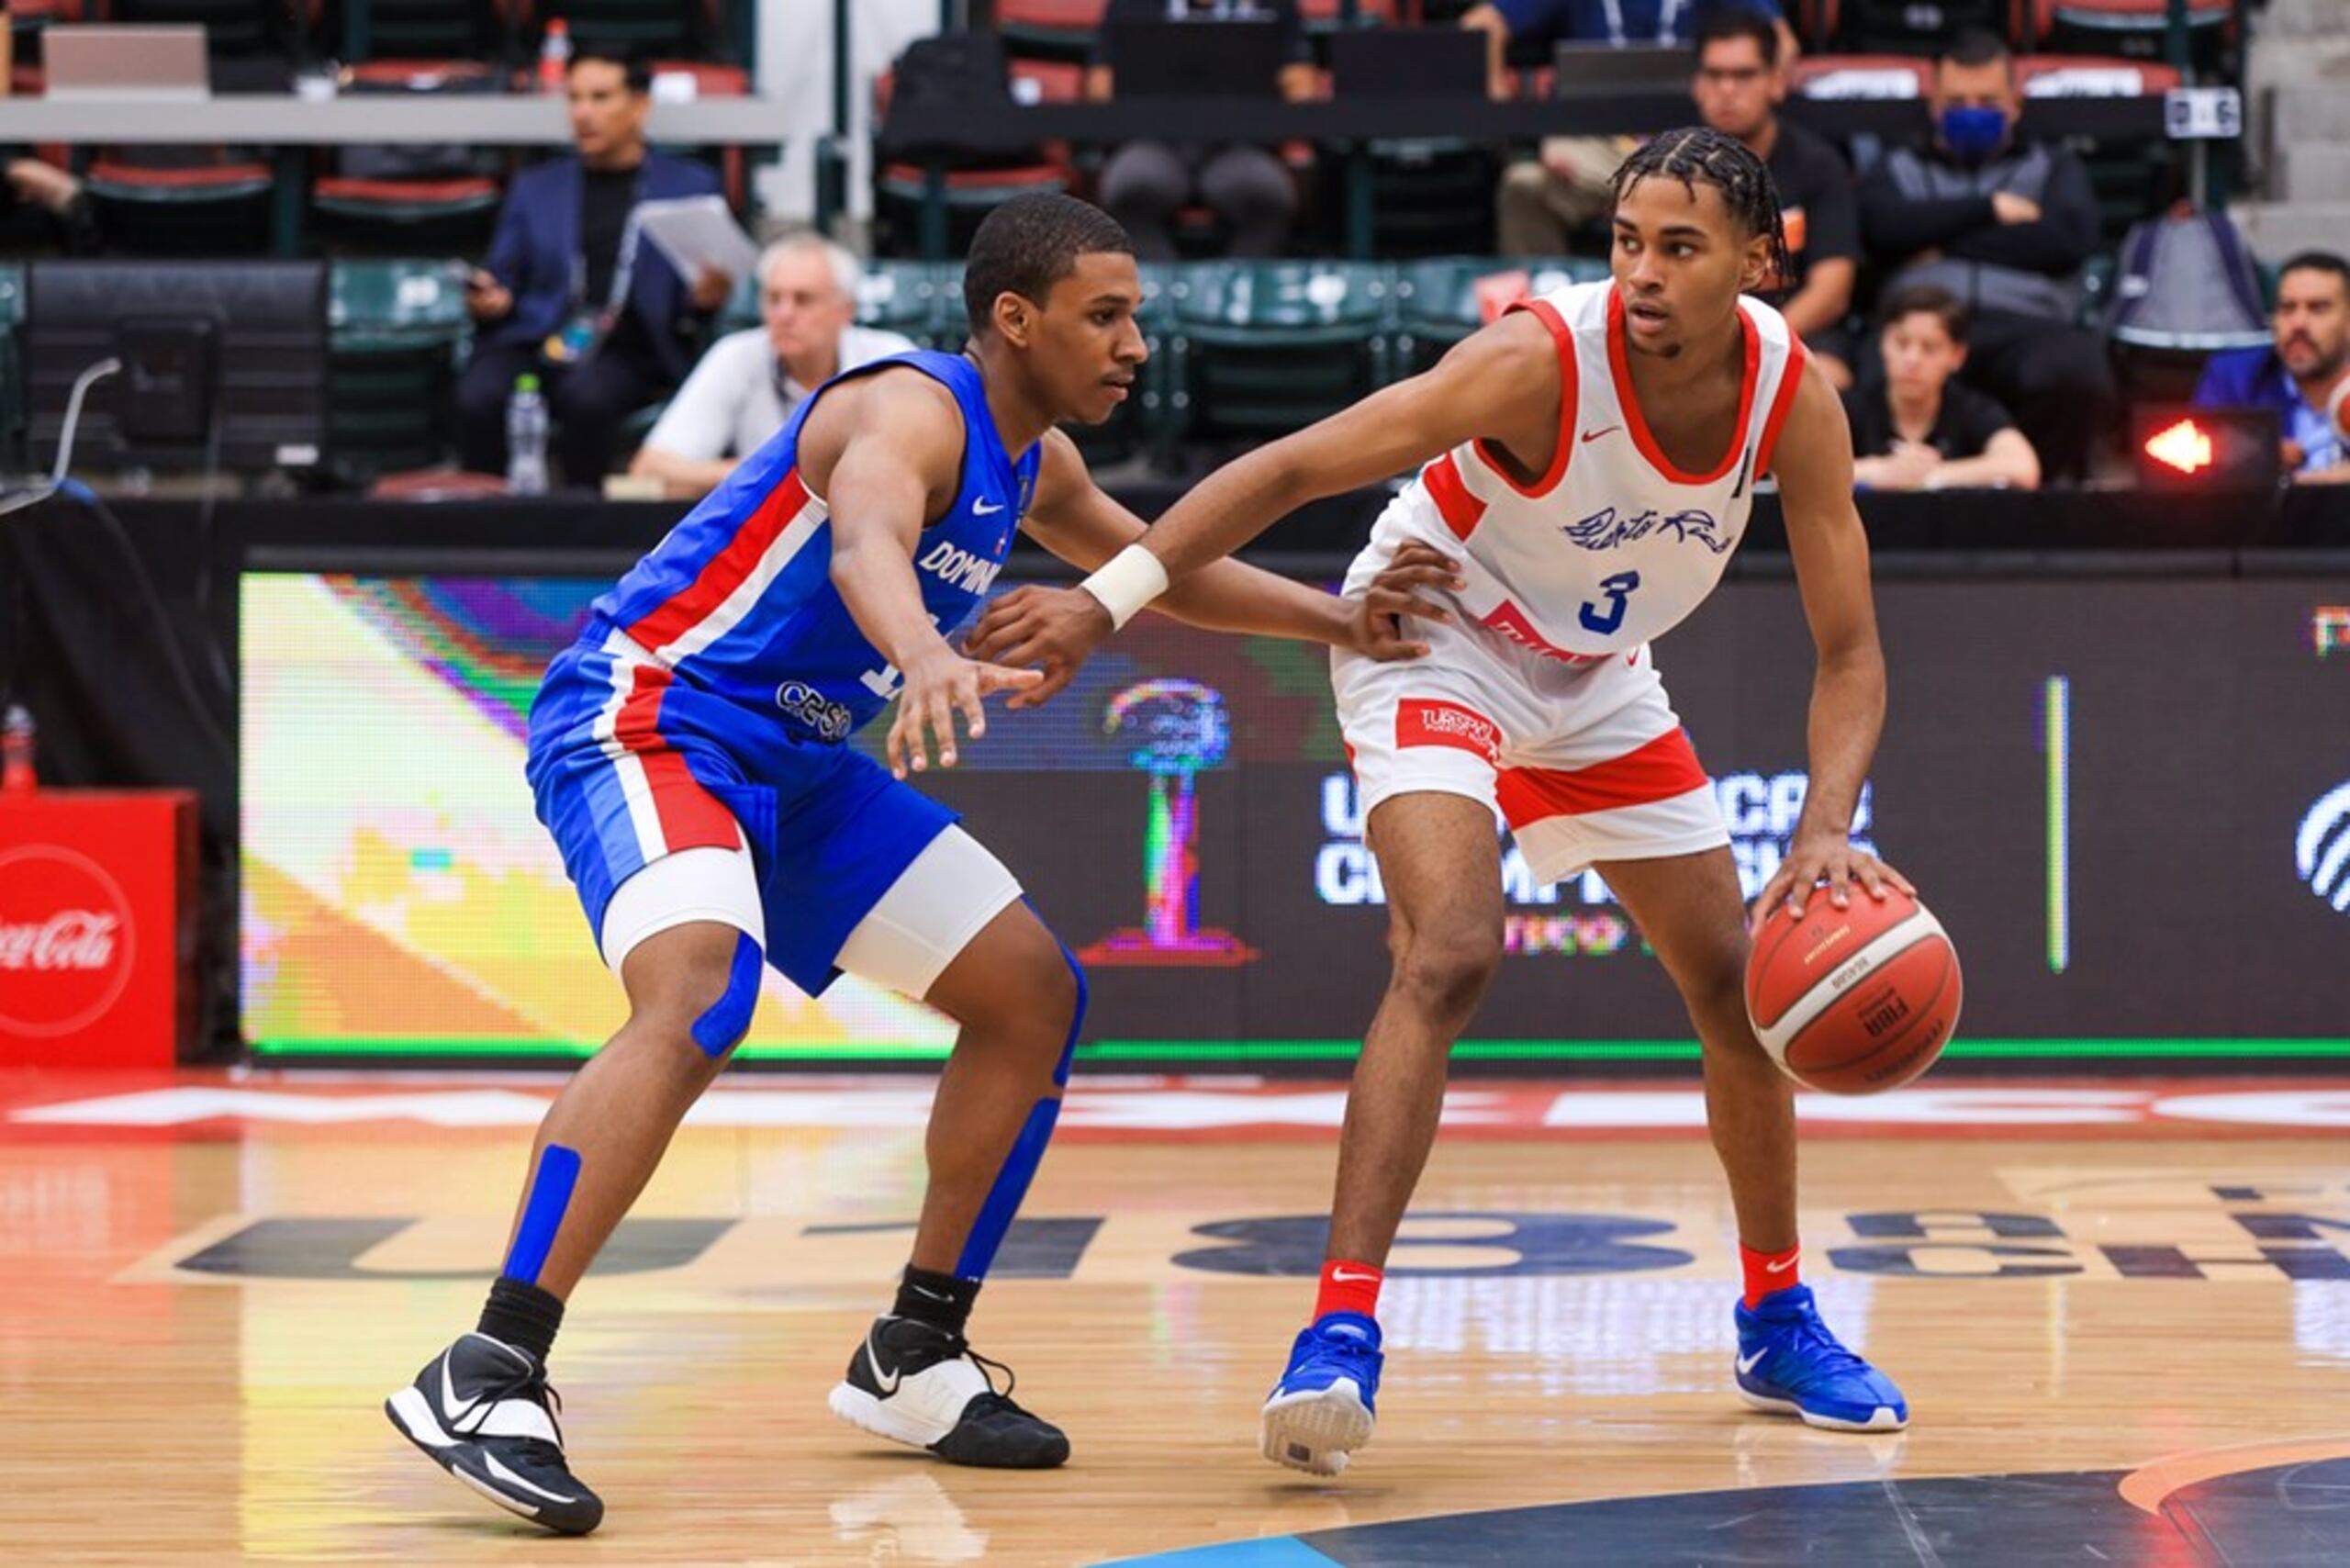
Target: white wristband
(1131, 580)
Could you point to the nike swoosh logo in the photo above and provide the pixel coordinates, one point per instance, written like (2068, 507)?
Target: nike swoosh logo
(1779, 1268)
(980, 509)
(453, 1410)
(489, 1461)
(1746, 1363)
(1341, 1276)
(889, 1381)
(1590, 436)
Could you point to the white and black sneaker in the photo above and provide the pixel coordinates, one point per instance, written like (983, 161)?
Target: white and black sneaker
(483, 1410)
(920, 1385)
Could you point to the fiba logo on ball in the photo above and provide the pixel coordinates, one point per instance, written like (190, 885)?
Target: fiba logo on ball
(66, 942)
(2321, 850)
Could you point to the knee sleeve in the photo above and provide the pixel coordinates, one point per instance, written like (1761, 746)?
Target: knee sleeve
(728, 1019)
(1011, 1184)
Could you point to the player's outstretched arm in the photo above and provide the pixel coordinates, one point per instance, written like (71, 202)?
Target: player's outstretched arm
(1499, 383)
(1814, 465)
(1074, 518)
(886, 459)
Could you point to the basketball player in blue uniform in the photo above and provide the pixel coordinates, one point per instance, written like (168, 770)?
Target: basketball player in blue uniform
(689, 754)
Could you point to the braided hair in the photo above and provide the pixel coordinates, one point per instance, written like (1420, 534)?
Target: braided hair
(1698, 153)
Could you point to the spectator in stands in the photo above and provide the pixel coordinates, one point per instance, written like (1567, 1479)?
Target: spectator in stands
(1917, 429)
(1146, 185)
(1737, 87)
(1545, 199)
(2296, 377)
(43, 208)
(2004, 224)
(747, 386)
(570, 294)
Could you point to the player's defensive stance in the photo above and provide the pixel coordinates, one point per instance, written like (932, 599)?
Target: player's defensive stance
(1590, 459)
(689, 753)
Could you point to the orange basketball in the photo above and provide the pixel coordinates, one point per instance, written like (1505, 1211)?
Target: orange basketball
(1854, 1001)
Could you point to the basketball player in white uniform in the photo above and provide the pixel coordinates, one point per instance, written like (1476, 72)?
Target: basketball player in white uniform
(1590, 460)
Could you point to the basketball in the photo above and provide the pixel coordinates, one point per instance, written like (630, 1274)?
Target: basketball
(2337, 408)
(1854, 1001)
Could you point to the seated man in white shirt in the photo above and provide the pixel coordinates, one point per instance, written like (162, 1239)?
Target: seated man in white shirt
(747, 386)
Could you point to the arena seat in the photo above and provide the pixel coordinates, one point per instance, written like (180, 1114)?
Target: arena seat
(394, 330)
(2132, 176)
(1263, 348)
(2133, 28)
(974, 188)
(1861, 76)
(1439, 301)
(1916, 26)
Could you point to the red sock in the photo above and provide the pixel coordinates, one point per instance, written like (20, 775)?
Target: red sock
(1348, 1286)
(1767, 1271)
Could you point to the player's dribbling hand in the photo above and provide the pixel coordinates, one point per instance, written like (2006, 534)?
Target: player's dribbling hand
(1052, 630)
(1830, 858)
(1378, 625)
(941, 686)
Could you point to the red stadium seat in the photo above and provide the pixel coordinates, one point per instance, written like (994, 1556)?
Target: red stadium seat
(665, 29)
(1049, 29)
(972, 190)
(181, 201)
(2134, 28)
(1815, 22)
(2092, 76)
(1324, 14)
(2126, 15)
(1862, 76)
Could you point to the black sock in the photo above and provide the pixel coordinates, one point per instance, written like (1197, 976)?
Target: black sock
(523, 1316)
(941, 1300)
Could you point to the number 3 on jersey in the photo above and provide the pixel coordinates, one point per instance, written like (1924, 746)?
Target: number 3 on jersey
(1605, 617)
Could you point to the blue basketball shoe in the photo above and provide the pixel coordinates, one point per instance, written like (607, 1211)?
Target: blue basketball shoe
(1789, 1362)
(1322, 1409)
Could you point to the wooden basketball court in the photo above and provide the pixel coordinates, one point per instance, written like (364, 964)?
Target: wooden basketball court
(2121, 1312)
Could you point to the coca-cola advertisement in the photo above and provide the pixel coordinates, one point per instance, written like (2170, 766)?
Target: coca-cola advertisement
(93, 911)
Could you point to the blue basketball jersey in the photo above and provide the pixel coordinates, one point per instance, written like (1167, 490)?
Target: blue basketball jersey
(739, 600)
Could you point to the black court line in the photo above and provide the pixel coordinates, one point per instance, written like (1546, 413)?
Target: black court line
(2285, 1516)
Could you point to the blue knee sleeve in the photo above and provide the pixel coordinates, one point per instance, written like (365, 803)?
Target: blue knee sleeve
(1027, 1150)
(729, 1018)
(542, 1214)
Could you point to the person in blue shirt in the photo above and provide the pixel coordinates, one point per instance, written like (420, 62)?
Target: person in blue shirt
(691, 755)
(2298, 375)
(1545, 198)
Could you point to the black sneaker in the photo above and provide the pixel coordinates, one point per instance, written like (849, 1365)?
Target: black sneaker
(483, 1410)
(921, 1385)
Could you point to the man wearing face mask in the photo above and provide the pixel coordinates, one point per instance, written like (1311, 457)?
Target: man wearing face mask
(2004, 224)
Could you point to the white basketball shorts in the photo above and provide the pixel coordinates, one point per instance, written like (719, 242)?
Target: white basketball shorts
(1585, 763)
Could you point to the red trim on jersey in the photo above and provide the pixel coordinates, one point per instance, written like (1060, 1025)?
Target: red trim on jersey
(690, 815)
(1570, 386)
(1638, 423)
(725, 571)
(1665, 768)
(1782, 400)
(1423, 721)
(1514, 623)
(1462, 511)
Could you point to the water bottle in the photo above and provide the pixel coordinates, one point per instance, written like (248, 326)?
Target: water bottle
(17, 752)
(554, 55)
(526, 438)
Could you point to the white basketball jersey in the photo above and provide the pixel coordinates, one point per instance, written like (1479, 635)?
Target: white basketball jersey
(1614, 545)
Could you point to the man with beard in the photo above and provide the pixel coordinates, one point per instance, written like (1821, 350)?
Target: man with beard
(2296, 377)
